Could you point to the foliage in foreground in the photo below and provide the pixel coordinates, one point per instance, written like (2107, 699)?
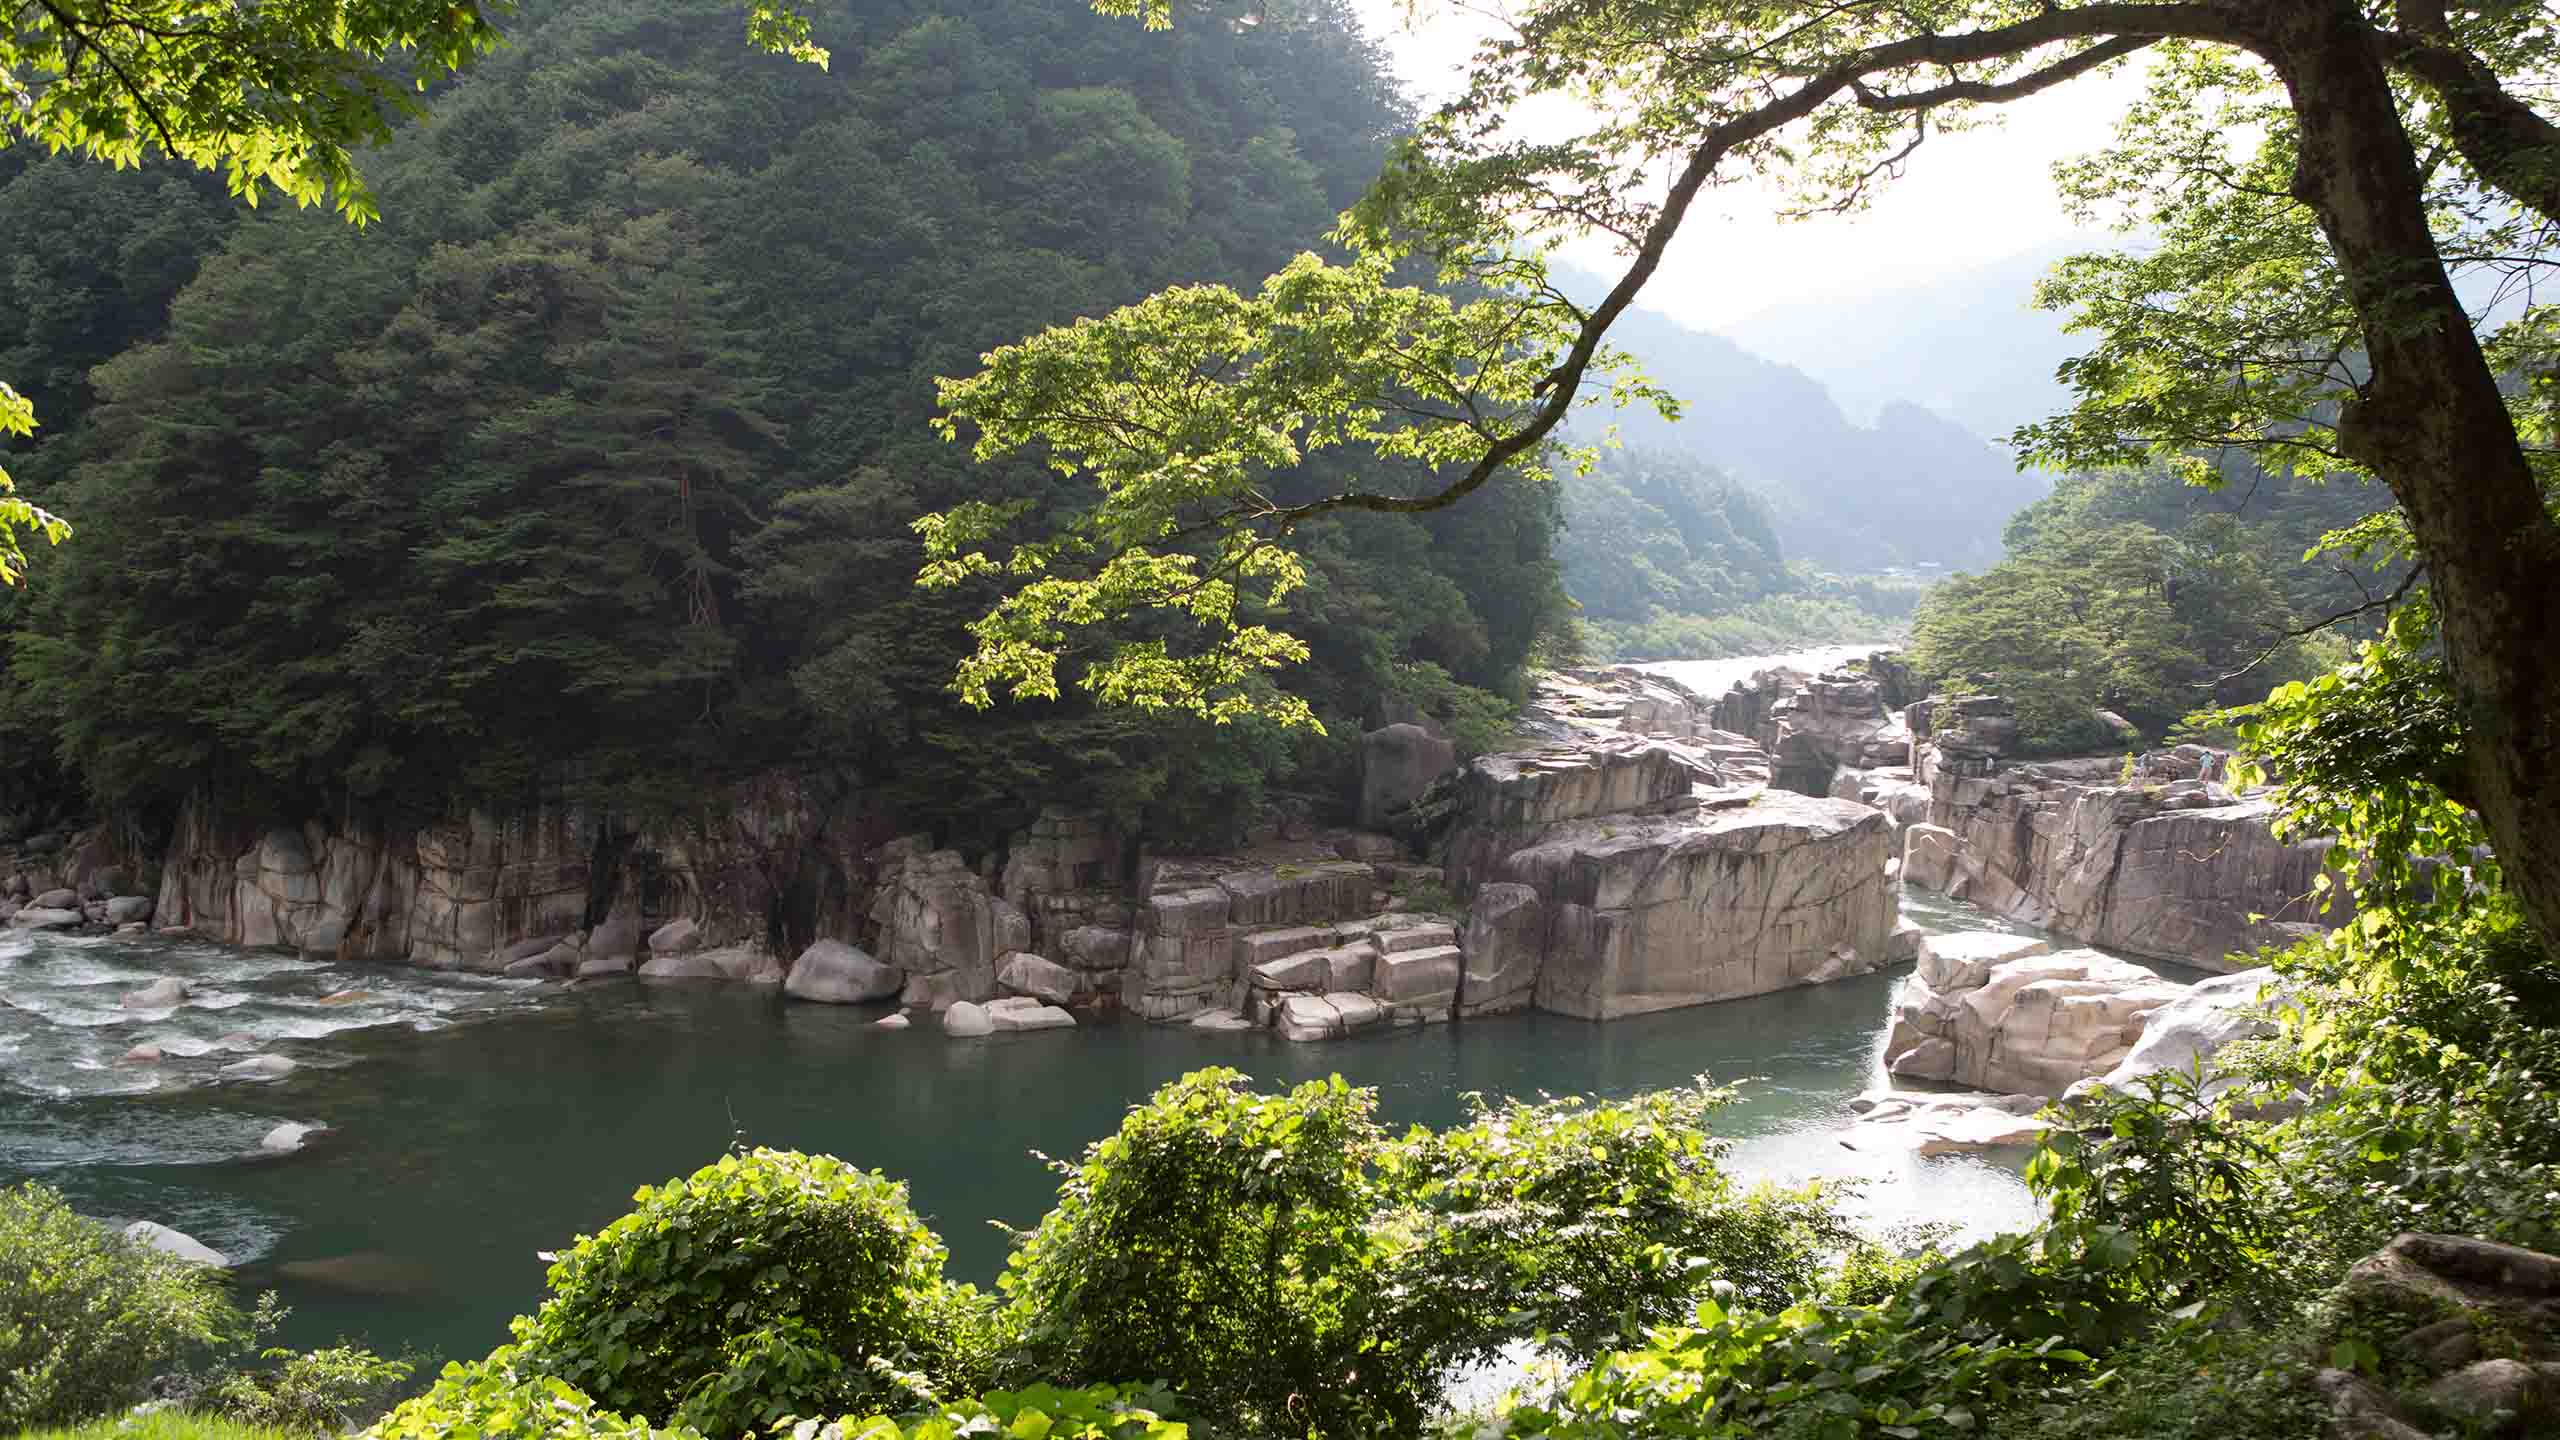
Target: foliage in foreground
(87, 1317)
(767, 1284)
(1278, 1262)
(170, 1424)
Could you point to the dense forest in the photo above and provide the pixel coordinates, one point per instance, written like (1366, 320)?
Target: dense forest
(2135, 592)
(588, 470)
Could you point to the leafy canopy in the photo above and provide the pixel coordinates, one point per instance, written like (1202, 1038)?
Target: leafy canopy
(276, 95)
(1181, 410)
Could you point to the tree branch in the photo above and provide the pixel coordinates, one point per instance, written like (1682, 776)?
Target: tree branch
(2283, 637)
(2503, 138)
(2122, 29)
(1979, 93)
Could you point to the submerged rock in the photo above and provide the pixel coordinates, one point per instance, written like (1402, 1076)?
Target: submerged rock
(144, 1054)
(1929, 1123)
(288, 1137)
(898, 1021)
(259, 1067)
(175, 1242)
(161, 994)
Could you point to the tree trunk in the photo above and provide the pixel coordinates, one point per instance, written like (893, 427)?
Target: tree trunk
(2432, 423)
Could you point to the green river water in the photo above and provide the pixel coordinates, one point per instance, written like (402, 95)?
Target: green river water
(474, 1123)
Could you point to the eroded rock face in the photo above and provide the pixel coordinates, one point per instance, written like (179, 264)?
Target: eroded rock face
(472, 892)
(940, 926)
(2001, 1013)
(1204, 931)
(2178, 871)
(1814, 726)
(1653, 913)
(1508, 802)
(1397, 764)
(2188, 1032)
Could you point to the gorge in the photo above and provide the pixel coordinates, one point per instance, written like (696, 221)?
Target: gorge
(1630, 866)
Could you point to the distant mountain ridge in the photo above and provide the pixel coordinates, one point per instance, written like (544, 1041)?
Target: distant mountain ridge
(1915, 488)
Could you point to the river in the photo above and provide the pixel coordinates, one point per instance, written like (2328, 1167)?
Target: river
(474, 1122)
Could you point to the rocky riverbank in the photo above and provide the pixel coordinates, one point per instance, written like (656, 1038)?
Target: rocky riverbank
(1638, 847)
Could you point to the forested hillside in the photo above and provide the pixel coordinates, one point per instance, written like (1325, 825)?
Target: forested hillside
(1670, 559)
(589, 469)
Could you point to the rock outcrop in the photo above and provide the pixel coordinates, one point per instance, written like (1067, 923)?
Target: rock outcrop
(2466, 1331)
(470, 892)
(1397, 764)
(1627, 874)
(2186, 1034)
(940, 925)
(2182, 871)
(2003, 1013)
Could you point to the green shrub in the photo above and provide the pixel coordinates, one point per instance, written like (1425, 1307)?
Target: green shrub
(770, 1283)
(1288, 1268)
(87, 1317)
(1586, 1224)
(1814, 1371)
(1222, 1241)
(308, 1389)
(504, 1398)
(1094, 1412)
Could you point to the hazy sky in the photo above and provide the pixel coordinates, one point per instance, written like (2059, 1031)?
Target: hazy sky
(1965, 199)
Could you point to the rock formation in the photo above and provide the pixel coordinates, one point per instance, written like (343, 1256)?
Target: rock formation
(1627, 874)
(2004, 1013)
(2182, 871)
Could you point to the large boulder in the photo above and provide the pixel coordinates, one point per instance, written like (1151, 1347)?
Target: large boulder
(1506, 945)
(1037, 977)
(832, 972)
(967, 1020)
(940, 926)
(1397, 764)
(2186, 1034)
(2030, 1023)
(1653, 912)
(58, 899)
(618, 938)
(1928, 857)
(186, 1247)
(127, 909)
(676, 937)
(38, 917)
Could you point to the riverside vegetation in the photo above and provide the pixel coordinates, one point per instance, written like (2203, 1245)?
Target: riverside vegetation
(2218, 1258)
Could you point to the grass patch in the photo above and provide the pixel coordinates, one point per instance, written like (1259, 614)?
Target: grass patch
(168, 1425)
